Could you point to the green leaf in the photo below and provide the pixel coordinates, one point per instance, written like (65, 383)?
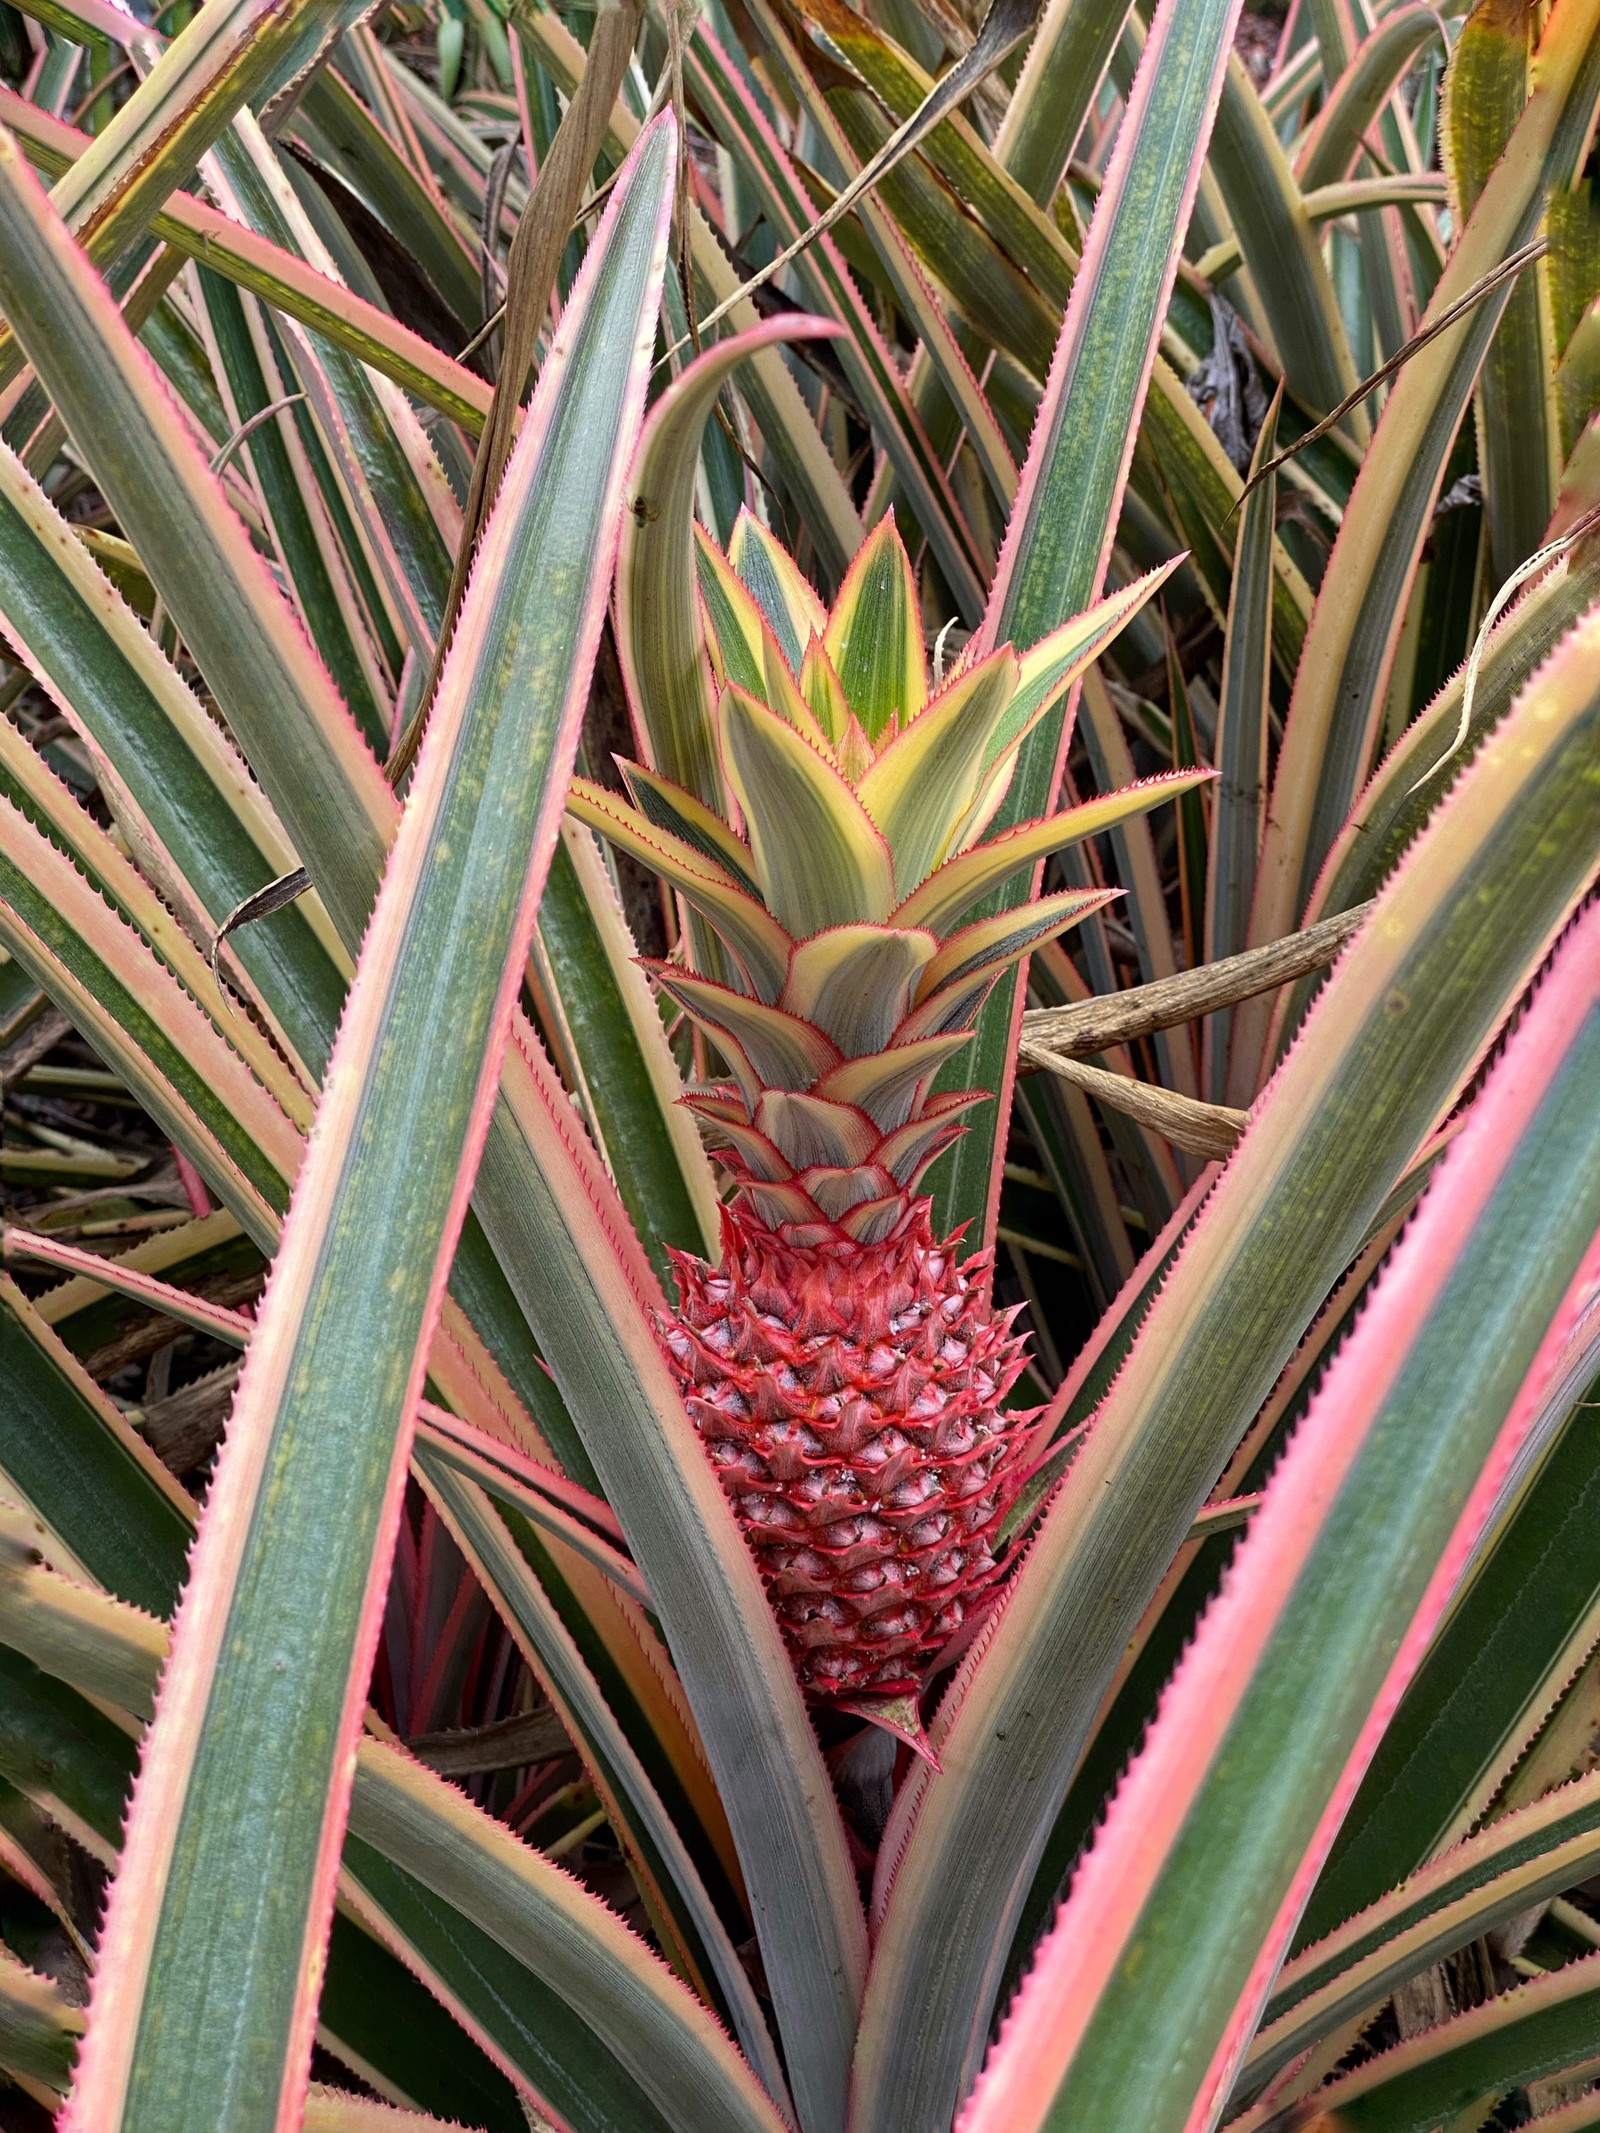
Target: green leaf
(28, 783)
(229, 51)
(99, 662)
(892, 258)
(1360, 93)
(874, 636)
(946, 898)
(1429, 757)
(90, 1480)
(526, 2026)
(145, 1027)
(1058, 83)
(39, 2030)
(1024, 301)
(539, 1495)
(376, 2016)
(193, 2026)
(1518, 1633)
(1518, 1861)
(337, 125)
(820, 859)
(67, 1757)
(1067, 506)
(1000, 201)
(78, 1766)
(754, 937)
(86, 22)
(803, 463)
(1140, 2001)
(659, 635)
(719, 88)
(1465, 2062)
(323, 589)
(279, 700)
(488, 1539)
(86, 1311)
(1193, 839)
(1572, 270)
(107, 1650)
(1281, 249)
(1333, 721)
(919, 789)
(993, 298)
(627, 1072)
(1519, 447)
(671, 2047)
(388, 474)
(1352, 196)
(280, 279)
(1239, 797)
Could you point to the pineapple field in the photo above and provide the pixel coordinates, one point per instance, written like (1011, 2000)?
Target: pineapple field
(800, 1058)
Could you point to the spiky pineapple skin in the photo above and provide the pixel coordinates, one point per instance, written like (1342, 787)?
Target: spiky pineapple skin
(850, 1396)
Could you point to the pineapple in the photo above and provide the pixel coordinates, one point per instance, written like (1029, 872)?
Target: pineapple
(843, 1364)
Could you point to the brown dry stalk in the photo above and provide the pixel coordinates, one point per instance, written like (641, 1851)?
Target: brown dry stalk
(1090, 1026)
(1202, 1129)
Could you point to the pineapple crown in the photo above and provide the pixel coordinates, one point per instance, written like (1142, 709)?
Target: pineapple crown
(838, 870)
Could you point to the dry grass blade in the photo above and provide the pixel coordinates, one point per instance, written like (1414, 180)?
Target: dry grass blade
(1540, 560)
(1457, 311)
(36, 1042)
(506, 1744)
(224, 452)
(276, 896)
(1090, 1025)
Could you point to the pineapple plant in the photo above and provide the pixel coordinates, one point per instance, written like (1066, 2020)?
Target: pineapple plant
(531, 1588)
(843, 1364)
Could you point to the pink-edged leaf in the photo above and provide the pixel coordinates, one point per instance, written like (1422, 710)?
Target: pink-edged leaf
(1143, 1999)
(331, 2110)
(564, 1507)
(659, 631)
(1335, 715)
(1062, 523)
(693, 1934)
(217, 1320)
(246, 639)
(229, 51)
(584, 1281)
(930, 328)
(239, 1810)
(546, 1919)
(288, 284)
(1441, 2076)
